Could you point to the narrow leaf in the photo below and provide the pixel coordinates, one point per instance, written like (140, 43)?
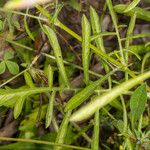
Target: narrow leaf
(62, 130)
(12, 67)
(18, 106)
(27, 27)
(86, 32)
(101, 101)
(11, 94)
(95, 138)
(2, 67)
(49, 73)
(28, 80)
(49, 113)
(96, 28)
(138, 102)
(140, 13)
(81, 96)
(57, 51)
(131, 5)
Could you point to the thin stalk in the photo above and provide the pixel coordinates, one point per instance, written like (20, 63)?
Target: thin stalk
(86, 137)
(127, 42)
(125, 118)
(42, 142)
(114, 19)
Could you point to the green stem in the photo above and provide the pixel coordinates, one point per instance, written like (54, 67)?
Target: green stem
(42, 142)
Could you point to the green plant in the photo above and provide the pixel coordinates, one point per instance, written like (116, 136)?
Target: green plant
(50, 97)
(7, 62)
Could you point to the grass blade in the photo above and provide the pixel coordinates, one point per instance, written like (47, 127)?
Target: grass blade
(131, 5)
(62, 130)
(86, 33)
(100, 101)
(80, 97)
(49, 113)
(57, 51)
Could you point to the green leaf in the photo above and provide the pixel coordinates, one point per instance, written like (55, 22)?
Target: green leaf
(8, 95)
(62, 130)
(131, 5)
(2, 67)
(140, 13)
(49, 113)
(102, 100)
(18, 106)
(138, 102)
(8, 55)
(27, 27)
(12, 67)
(81, 96)
(86, 33)
(57, 51)
(49, 73)
(1, 25)
(95, 138)
(28, 80)
(94, 17)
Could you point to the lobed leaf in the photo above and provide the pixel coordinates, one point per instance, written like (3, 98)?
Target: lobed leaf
(6, 96)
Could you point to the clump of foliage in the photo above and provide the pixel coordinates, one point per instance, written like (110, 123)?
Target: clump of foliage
(53, 108)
